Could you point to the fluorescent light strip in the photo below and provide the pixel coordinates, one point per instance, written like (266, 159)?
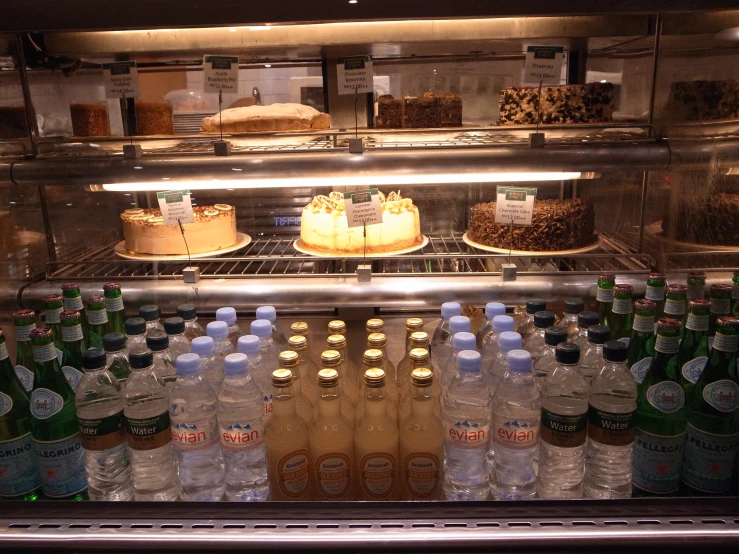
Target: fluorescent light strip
(357, 180)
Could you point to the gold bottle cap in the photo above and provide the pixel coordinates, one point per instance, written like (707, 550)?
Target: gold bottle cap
(330, 358)
(328, 378)
(336, 327)
(336, 341)
(374, 378)
(419, 339)
(282, 378)
(414, 324)
(419, 355)
(373, 356)
(377, 340)
(288, 358)
(422, 377)
(298, 342)
(375, 325)
(299, 328)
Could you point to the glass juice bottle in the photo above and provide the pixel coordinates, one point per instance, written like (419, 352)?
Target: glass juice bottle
(303, 406)
(417, 339)
(348, 372)
(331, 359)
(374, 325)
(420, 359)
(307, 369)
(379, 341)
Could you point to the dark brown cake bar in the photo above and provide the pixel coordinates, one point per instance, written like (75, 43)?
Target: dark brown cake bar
(711, 221)
(704, 100)
(559, 104)
(13, 122)
(422, 112)
(389, 112)
(451, 110)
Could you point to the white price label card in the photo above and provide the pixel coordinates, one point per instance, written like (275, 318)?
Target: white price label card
(515, 205)
(363, 207)
(544, 65)
(176, 206)
(355, 75)
(121, 80)
(221, 73)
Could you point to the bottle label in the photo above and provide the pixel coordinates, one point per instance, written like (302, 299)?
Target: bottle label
(3, 351)
(239, 437)
(149, 433)
(97, 317)
(102, 433)
(191, 436)
(114, 304)
(25, 376)
(613, 429)
(377, 475)
(720, 306)
(725, 343)
(293, 473)
(18, 467)
(655, 293)
(333, 475)
(44, 353)
(722, 395)
(516, 433)
(61, 465)
(675, 307)
(52, 316)
(466, 434)
(6, 404)
(657, 461)
(604, 295)
(23, 332)
(692, 370)
(622, 306)
(697, 322)
(643, 324)
(45, 403)
(666, 396)
(564, 431)
(667, 345)
(72, 334)
(422, 474)
(640, 369)
(72, 375)
(73, 303)
(709, 460)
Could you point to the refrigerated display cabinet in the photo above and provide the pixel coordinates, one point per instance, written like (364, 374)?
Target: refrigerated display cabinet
(61, 198)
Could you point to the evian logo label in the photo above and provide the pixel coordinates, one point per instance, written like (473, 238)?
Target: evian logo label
(722, 395)
(692, 369)
(467, 434)
(190, 436)
(6, 404)
(667, 396)
(242, 437)
(517, 433)
(45, 403)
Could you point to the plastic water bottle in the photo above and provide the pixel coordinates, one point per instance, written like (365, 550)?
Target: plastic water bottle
(491, 310)
(150, 313)
(445, 350)
(535, 344)
(218, 331)
(441, 333)
(135, 333)
(194, 420)
(116, 355)
(516, 426)
(591, 354)
(461, 341)
(466, 413)
(228, 316)
(610, 451)
(262, 328)
(508, 341)
(164, 366)
(146, 413)
(270, 314)
(526, 329)
(585, 320)
(210, 364)
(501, 324)
(178, 342)
(564, 427)
(99, 404)
(544, 365)
(241, 430)
(189, 314)
(569, 321)
(262, 375)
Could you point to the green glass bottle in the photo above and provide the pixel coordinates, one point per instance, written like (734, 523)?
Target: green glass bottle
(641, 344)
(696, 286)
(656, 289)
(604, 297)
(720, 296)
(693, 353)
(675, 303)
(621, 318)
(72, 348)
(712, 435)
(97, 320)
(53, 307)
(56, 435)
(25, 322)
(72, 299)
(735, 295)
(19, 477)
(114, 307)
(660, 418)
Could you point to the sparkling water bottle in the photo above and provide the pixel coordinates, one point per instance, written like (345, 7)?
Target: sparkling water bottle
(591, 354)
(150, 314)
(178, 342)
(501, 324)
(491, 310)
(99, 404)
(164, 365)
(189, 314)
(262, 328)
(545, 364)
(262, 375)
(241, 430)
(135, 333)
(610, 451)
(218, 331)
(535, 344)
(270, 314)
(445, 350)
(211, 366)
(466, 414)
(194, 420)
(564, 427)
(441, 333)
(228, 316)
(585, 320)
(516, 426)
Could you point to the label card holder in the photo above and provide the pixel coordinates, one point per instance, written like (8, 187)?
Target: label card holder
(121, 80)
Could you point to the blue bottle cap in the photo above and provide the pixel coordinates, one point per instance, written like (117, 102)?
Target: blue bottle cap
(235, 364)
(519, 361)
(226, 314)
(203, 346)
(503, 323)
(267, 312)
(449, 309)
(494, 308)
(463, 341)
(261, 328)
(508, 340)
(248, 344)
(459, 324)
(469, 361)
(188, 364)
(217, 330)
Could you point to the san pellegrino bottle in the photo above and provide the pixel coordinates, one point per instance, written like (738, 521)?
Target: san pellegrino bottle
(241, 430)
(288, 446)
(564, 427)
(544, 364)
(53, 307)
(641, 344)
(250, 345)
(441, 334)
(612, 403)
(675, 303)
(135, 333)
(270, 314)
(164, 364)
(585, 320)
(656, 289)
(573, 307)
(99, 404)
(72, 300)
(491, 310)
(712, 435)
(693, 353)
(417, 339)
(210, 365)
(351, 406)
(527, 327)
(25, 322)
(660, 418)
(331, 439)
(307, 369)
(97, 319)
(604, 298)
(150, 314)
(72, 347)
(720, 296)
(114, 307)
(289, 361)
(374, 325)
(56, 435)
(116, 356)
(189, 314)
(376, 443)
(591, 355)
(536, 343)
(420, 358)
(696, 286)
(620, 320)
(148, 431)
(19, 476)
(348, 370)
(500, 324)
(178, 342)
(379, 341)
(228, 316)
(735, 295)
(421, 442)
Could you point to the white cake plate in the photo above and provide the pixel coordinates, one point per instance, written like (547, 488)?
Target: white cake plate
(242, 239)
(583, 250)
(155, 142)
(300, 247)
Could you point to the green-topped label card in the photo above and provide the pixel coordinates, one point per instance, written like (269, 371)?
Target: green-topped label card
(121, 80)
(176, 206)
(221, 74)
(363, 207)
(543, 65)
(514, 205)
